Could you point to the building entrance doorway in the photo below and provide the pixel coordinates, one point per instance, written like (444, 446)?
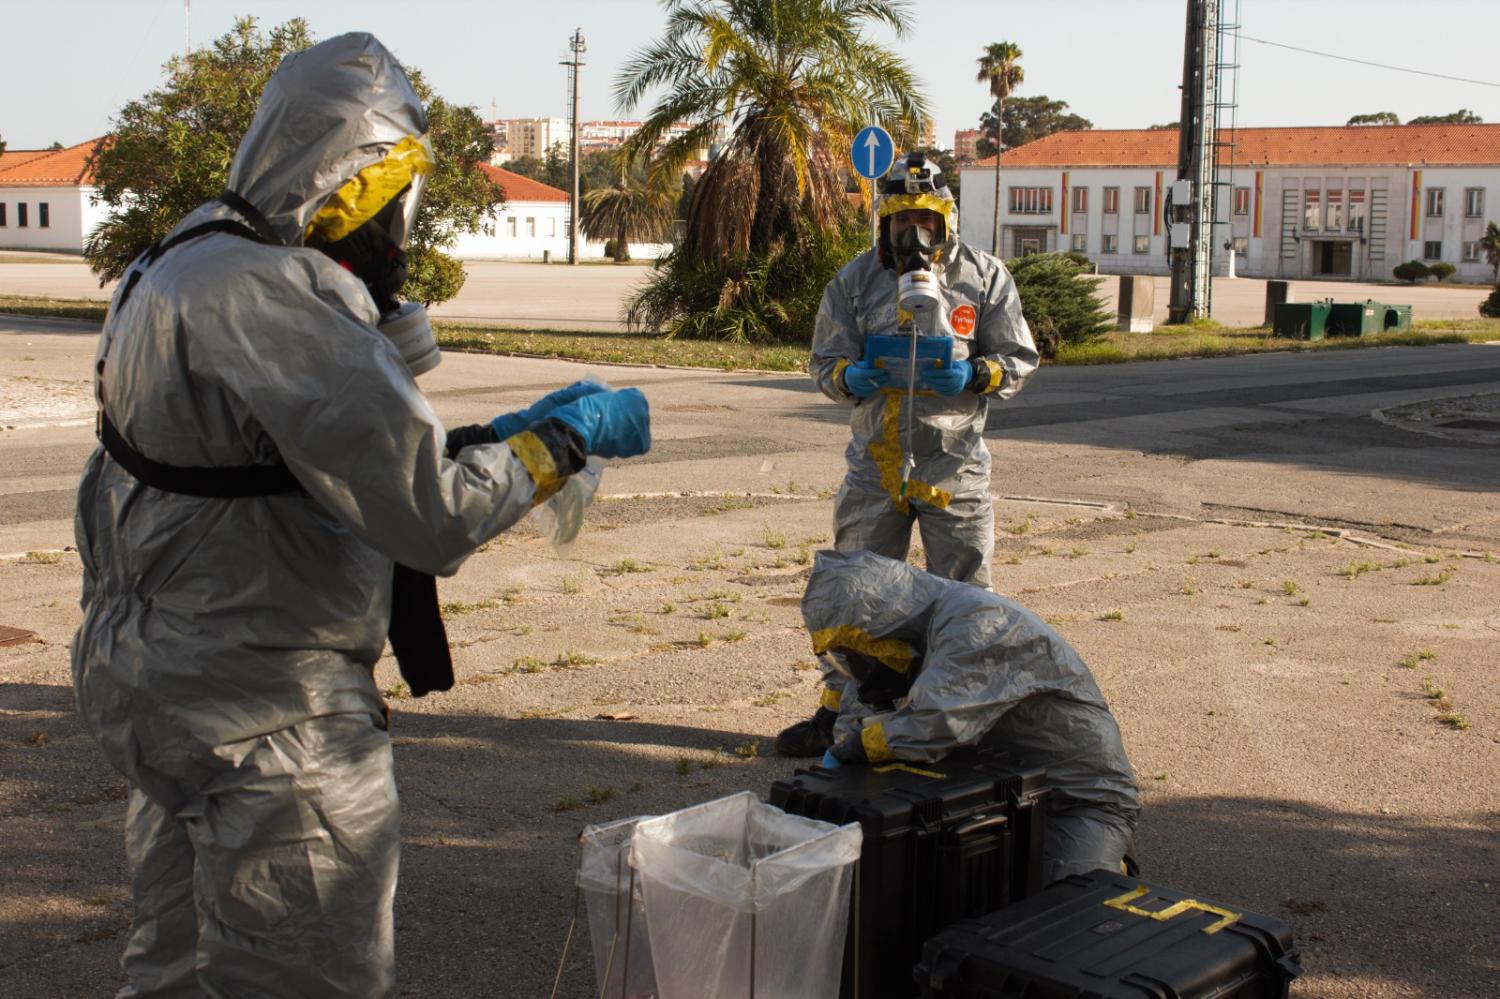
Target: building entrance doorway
(1333, 257)
(1026, 242)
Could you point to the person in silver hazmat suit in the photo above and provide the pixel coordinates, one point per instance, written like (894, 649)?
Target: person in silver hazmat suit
(267, 460)
(947, 492)
(935, 665)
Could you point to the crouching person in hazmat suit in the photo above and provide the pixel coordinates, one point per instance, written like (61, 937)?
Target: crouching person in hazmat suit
(935, 665)
(271, 499)
(947, 491)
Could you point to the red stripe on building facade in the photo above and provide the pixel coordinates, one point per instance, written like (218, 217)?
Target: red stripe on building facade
(1416, 200)
(1255, 226)
(1156, 227)
(1062, 225)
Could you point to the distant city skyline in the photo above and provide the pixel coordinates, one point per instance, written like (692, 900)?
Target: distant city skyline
(1116, 64)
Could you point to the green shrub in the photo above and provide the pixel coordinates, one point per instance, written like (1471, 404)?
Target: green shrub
(1442, 270)
(1061, 303)
(432, 276)
(1412, 271)
(769, 297)
(1490, 307)
(609, 249)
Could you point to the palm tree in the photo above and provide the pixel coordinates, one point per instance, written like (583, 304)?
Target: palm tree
(1000, 68)
(631, 208)
(1490, 244)
(790, 81)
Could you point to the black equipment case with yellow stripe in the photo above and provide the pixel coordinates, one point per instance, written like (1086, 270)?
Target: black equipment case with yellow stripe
(942, 842)
(1110, 936)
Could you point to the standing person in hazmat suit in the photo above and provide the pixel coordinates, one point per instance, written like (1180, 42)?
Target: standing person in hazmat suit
(935, 665)
(947, 489)
(272, 492)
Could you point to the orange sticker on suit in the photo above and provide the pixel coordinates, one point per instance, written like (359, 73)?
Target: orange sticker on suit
(963, 319)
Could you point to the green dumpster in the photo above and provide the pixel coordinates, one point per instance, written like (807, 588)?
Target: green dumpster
(1393, 318)
(1366, 318)
(1302, 320)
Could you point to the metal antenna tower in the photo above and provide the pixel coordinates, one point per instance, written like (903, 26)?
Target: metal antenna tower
(577, 47)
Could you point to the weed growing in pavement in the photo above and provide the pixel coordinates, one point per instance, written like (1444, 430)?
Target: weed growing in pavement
(1453, 720)
(567, 803)
(573, 659)
(1130, 513)
(626, 566)
(1078, 553)
(1047, 550)
(1246, 584)
(713, 612)
(1269, 641)
(705, 639)
(1074, 521)
(573, 581)
(1303, 602)
(1289, 587)
(668, 607)
(803, 557)
(736, 635)
(712, 560)
(1189, 588)
(42, 558)
(1160, 775)
(1261, 602)
(397, 691)
(457, 607)
(1437, 580)
(1130, 548)
(1417, 658)
(1192, 560)
(1214, 553)
(528, 664)
(773, 698)
(730, 503)
(1227, 627)
(514, 595)
(748, 750)
(598, 795)
(725, 595)
(774, 539)
(1356, 569)
(1431, 690)
(683, 766)
(524, 629)
(1113, 615)
(1015, 559)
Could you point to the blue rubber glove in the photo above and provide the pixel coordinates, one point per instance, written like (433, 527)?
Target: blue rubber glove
(510, 424)
(863, 382)
(830, 762)
(947, 381)
(612, 424)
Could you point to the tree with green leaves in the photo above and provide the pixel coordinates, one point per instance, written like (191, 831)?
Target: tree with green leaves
(1165, 126)
(170, 152)
(633, 207)
(1375, 118)
(1463, 116)
(1490, 244)
(1060, 299)
(790, 82)
(1026, 119)
(1000, 68)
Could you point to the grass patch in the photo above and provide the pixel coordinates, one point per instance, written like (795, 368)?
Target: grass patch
(42, 558)
(397, 691)
(1289, 587)
(735, 635)
(1417, 658)
(456, 608)
(573, 659)
(1113, 615)
(1434, 580)
(1453, 720)
(626, 566)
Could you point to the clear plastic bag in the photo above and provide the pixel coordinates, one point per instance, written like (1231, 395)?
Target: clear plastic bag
(560, 518)
(744, 900)
(616, 912)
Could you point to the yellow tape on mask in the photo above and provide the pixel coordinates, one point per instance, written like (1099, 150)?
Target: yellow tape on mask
(358, 201)
(891, 652)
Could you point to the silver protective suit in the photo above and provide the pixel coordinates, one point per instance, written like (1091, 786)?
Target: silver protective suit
(949, 492)
(225, 658)
(977, 669)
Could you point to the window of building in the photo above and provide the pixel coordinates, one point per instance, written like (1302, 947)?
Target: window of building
(3, 223)
(1432, 249)
(1080, 242)
(552, 226)
(1111, 201)
(1030, 200)
(1335, 211)
(510, 226)
(20, 214)
(1471, 252)
(1080, 200)
(1356, 211)
(1143, 244)
(1312, 210)
(1143, 201)
(531, 228)
(1241, 245)
(1473, 202)
(1435, 199)
(43, 214)
(1110, 244)
(1242, 201)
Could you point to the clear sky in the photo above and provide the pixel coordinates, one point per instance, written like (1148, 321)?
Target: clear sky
(69, 65)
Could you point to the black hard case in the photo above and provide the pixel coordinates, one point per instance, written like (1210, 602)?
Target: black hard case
(1110, 936)
(942, 842)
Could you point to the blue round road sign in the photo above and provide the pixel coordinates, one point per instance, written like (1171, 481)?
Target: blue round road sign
(873, 152)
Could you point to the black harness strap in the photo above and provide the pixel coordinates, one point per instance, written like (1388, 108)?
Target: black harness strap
(417, 634)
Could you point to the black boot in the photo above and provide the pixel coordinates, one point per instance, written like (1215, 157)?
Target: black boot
(812, 737)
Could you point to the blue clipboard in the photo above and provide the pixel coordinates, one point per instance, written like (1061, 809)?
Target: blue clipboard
(893, 354)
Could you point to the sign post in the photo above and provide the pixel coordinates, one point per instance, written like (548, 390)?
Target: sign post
(872, 154)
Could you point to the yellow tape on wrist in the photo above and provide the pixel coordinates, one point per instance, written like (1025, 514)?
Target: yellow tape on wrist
(997, 375)
(531, 452)
(872, 737)
(831, 699)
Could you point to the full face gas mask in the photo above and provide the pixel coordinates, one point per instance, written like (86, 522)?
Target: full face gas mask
(364, 226)
(879, 685)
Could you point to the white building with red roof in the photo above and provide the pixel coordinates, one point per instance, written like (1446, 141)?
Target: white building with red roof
(1329, 202)
(46, 199)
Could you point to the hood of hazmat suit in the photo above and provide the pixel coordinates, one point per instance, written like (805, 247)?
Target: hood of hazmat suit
(211, 621)
(979, 309)
(975, 668)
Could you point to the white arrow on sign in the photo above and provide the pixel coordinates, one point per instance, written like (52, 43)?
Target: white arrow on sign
(872, 143)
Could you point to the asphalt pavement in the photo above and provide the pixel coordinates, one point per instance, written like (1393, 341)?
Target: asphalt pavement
(1267, 580)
